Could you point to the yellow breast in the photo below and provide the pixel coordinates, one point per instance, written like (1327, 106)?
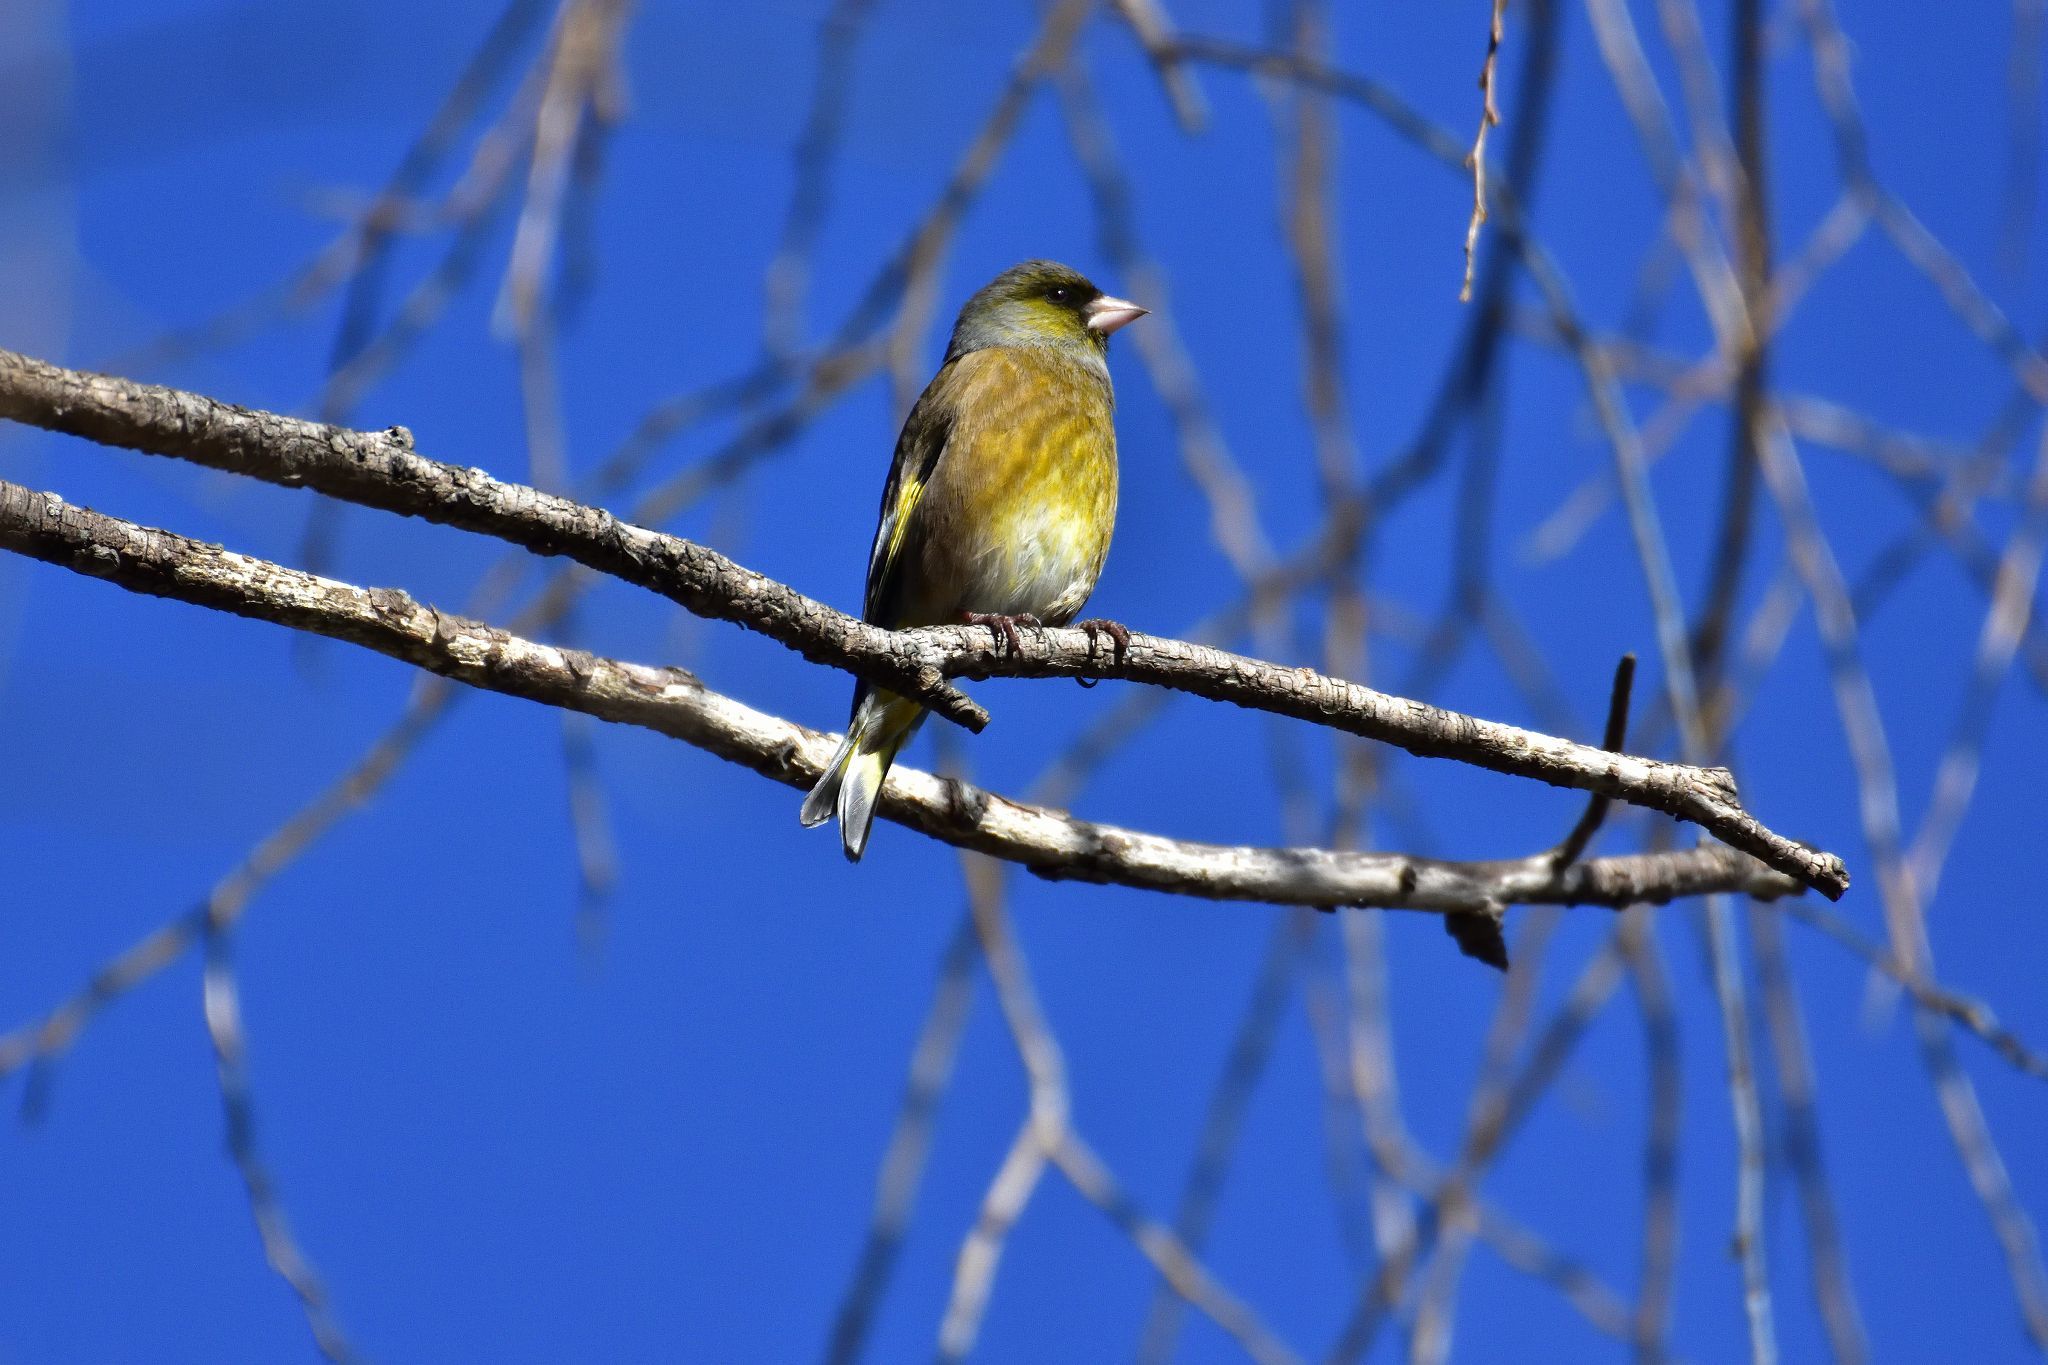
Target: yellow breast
(1040, 488)
(1016, 513)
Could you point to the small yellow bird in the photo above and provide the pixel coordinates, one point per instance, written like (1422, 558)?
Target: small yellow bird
(1000, 501)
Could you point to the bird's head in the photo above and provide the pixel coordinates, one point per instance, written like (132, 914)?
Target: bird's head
(1040, 303)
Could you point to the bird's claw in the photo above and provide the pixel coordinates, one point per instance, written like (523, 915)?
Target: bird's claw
(1003, 629)
(1120, 637)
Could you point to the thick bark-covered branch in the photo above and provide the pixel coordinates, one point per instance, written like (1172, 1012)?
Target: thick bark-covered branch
(380, 469)
(673, 702)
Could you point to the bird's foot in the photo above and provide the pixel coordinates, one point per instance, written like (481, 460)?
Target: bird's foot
(1120, 637)
(1003, 628)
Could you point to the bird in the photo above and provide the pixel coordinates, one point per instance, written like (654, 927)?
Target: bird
(999, 505)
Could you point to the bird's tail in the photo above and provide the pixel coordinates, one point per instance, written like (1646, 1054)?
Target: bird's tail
(882, 724)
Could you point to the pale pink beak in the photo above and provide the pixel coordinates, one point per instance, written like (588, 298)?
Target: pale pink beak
(1107, 314)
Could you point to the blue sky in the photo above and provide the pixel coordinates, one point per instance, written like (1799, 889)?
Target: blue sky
(500, 1142)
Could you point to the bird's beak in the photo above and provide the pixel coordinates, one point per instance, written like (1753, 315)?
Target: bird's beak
(1107, 314)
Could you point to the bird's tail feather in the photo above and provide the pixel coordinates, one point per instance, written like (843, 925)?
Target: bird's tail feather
(882, 724)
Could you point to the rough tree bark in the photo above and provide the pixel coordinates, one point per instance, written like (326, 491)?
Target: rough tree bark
(674, 702)
(380, 469)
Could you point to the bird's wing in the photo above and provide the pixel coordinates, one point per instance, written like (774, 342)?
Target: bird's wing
(926, 433)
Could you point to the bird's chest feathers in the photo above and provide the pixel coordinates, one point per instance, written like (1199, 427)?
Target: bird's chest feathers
(1022, 502)
(1044, 522)
(1062, 524)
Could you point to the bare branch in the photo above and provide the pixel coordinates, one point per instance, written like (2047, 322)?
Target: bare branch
(1149, 23)
(1833, 1292)
(1972, 1013)
(1224, 1120)
(1049, 1130)
(2023, 153)
(1487, 1131)
(902, 1169)
(673, 702)
(788, 276)
(377, 469)
(1175, 1264)
(223, 1011)
(974, 1270)
(381, 470)
(1613, 737)
(1651, 1320)
(1476, 158)
(41, 1043)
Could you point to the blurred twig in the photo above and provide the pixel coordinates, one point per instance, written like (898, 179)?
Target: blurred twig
(1833, 1292)
(1971, 1013)
(223, 1011)
(1223, 1122)
(1662, 1133)
(1149, 23)
(584, 81)
(1489, 1127)
(2023, 147)
(787, 279)
(1048, 1136)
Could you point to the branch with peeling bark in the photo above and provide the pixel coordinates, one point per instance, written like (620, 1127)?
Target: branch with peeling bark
(380, 469)
(673, 702)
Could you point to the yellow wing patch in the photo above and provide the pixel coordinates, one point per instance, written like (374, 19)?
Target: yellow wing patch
(886, 561)
(907, 500)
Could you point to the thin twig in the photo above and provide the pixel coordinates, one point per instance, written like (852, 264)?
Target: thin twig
(2023, 147)
(1476, 158)
(1223, 1122)
(933, 1057)
(1833, 1291)
(1663, 1061)
(786, 281)
(1486, 1134)
(223, 1011)
(1148, 22)
(1968, 1011)
(1613, 736)
(1047, 1134)
(932, 1060)
(974, 1270)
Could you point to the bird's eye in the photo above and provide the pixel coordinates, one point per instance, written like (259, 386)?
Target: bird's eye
(1061, 294)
